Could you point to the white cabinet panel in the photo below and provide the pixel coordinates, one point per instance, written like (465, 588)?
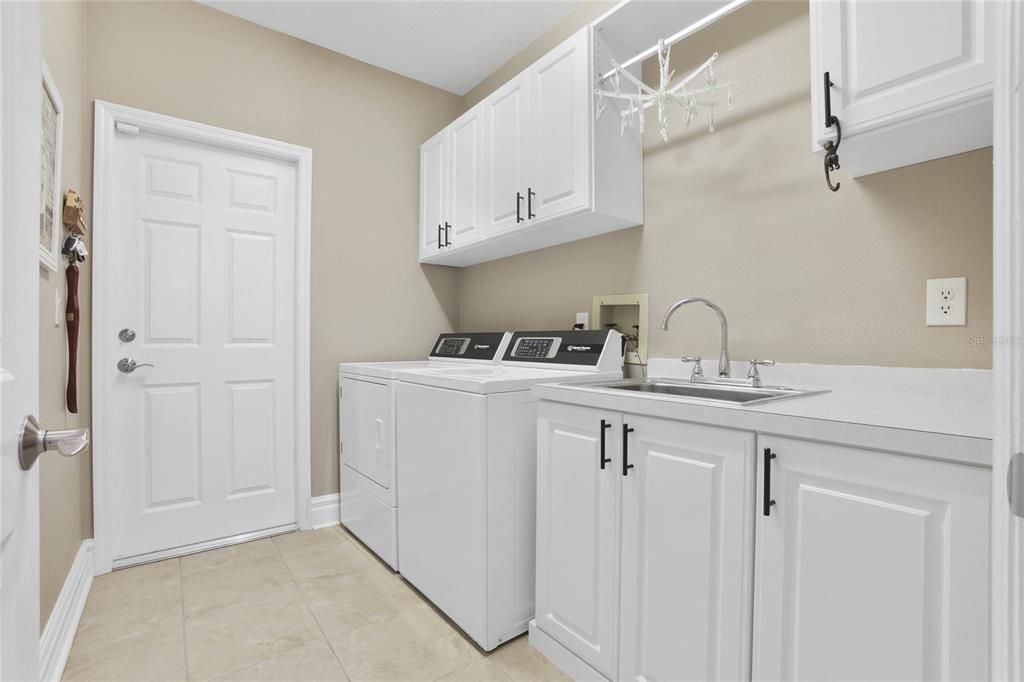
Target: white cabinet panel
(505, 113)
(912, 78)
(578, 531)
(870, 566)
(433, 191)
(687, 556)
(465, 213)
(560, 169)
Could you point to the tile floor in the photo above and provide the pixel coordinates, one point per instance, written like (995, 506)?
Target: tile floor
(302, 606)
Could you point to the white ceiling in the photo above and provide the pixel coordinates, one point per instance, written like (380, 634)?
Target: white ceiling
(451, 44)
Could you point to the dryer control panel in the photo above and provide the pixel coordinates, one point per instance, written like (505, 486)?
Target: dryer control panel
(591, 348)
(470, 346)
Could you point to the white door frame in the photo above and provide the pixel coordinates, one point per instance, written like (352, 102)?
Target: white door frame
(1007, 541)
(107, 115)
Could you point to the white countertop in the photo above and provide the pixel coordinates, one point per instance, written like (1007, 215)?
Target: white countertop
(938, 414)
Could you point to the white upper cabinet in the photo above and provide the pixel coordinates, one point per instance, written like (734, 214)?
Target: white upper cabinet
(433, 192)
(870, 565)
(911, 79)
(505, 116)
(559, 149)
(465, 214)
(550, 172)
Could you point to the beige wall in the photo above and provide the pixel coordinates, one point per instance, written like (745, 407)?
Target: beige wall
(743, 217)
(64, 500)
(364, 126)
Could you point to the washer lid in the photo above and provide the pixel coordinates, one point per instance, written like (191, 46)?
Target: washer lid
(497, 379)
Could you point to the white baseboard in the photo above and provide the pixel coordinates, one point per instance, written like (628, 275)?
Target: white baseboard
(325, 511)
(59, 633)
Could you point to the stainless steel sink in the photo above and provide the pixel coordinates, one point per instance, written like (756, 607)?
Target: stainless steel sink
(735, 393)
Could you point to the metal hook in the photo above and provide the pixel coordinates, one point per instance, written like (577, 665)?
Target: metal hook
(831, 148)
(832, 155)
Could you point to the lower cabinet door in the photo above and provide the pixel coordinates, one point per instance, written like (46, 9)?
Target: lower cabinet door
(870, 566)
(578, 531)
(687, 551)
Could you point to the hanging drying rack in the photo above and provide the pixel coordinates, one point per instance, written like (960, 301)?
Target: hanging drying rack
(646, 96)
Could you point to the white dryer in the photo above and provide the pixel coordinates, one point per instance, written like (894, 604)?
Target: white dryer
(467, 476)
(367, 408)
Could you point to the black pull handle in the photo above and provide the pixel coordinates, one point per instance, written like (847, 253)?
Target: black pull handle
(519, 208)
(439, 243)
(831, 148)
(604, 427)
(447, 241)
(530, 194)
(768, 501)
(626, 466)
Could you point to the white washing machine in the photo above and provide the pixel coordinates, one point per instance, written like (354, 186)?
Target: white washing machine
(467, 476)
(367, 408)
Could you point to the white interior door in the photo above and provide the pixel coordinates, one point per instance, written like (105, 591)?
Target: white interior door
(20, 88)
(1008, 353)
(202, 265)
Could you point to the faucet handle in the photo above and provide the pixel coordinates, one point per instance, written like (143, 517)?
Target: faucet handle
(698, 370)
(753, 374)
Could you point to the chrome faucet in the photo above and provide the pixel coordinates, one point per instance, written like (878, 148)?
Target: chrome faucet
(723, 358)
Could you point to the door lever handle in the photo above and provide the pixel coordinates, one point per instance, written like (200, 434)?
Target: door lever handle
(1015, 484)
(34, 440)
(128, 365)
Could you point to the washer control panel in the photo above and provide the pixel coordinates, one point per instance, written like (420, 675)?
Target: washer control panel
(592, 348)
(470, 346)
(530, 347)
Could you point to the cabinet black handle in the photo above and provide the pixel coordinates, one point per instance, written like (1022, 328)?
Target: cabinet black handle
(447, 241)
(768, 501)
(626, 466)
(530, 194)
(519, 208)
(440, 244)
(604, 427)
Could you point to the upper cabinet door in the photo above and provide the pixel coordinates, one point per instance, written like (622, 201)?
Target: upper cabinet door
(433, 192)
(898, 59)
(870, 564)
(578, 531)
(505, 116)
(560, 175)
(466, 178)
(687, 552)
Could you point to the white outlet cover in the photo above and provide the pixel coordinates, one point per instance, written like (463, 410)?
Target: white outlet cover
(584, 319)
(946, 302)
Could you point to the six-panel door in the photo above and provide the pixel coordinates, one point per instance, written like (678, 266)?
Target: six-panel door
(559, 178)
(890, 60)
(433, 191)
(687, 552)
(505, 117)
(870, 566)
(578, 531)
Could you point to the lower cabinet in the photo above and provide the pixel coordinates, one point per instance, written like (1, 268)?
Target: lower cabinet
(870, 566)
(645, 543)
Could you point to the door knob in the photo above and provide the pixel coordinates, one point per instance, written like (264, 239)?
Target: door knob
(33, 440)
(128, 365)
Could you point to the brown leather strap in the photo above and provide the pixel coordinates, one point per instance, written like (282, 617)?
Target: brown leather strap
(73, 314)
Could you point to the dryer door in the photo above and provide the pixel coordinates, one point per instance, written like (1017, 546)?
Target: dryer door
(367, 441)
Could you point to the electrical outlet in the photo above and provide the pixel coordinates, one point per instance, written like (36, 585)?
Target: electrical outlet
(946, 302)
(584, 319)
